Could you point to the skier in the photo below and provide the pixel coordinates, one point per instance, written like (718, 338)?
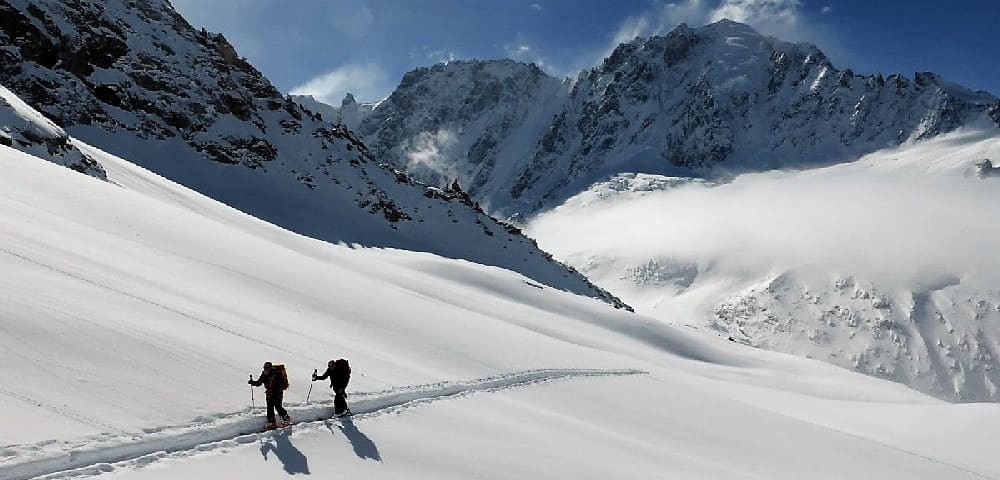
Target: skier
(275, 382)
(339, 372)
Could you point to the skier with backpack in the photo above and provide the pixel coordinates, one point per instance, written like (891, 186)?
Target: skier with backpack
(275, 382)
(339, 373)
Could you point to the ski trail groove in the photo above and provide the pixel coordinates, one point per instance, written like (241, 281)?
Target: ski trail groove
(64, 411)
(143, 300)
(95, 455)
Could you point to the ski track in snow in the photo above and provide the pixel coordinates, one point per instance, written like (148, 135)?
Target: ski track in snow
(64, 411)
(143, 299)
(106, 453)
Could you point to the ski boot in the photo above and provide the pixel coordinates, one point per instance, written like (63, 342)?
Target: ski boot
(286, 421)
(270, 426)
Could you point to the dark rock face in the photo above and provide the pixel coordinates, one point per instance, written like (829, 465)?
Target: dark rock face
(94, 67)
(695, 102)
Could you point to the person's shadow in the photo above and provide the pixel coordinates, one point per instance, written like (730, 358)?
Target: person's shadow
(363, 446)
(291, 458)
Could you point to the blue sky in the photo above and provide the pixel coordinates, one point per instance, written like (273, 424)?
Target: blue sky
(329, 47)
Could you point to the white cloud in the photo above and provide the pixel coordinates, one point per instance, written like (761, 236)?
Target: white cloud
(368, 82)
(826, 9)
(896, 222)
(537, 6)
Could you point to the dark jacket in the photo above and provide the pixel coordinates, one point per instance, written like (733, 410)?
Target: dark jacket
(339, 376)
(270, 379)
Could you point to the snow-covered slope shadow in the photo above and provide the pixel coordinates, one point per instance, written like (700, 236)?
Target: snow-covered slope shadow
(95, 455)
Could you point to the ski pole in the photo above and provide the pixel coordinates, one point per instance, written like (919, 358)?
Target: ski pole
(252, 402)
(311, 385)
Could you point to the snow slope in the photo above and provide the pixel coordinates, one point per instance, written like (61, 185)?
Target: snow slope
(131, 312)
(705, 102)
(135, 79)
(885, 265)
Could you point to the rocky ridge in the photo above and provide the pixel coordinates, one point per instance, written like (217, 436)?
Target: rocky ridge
(700, 102)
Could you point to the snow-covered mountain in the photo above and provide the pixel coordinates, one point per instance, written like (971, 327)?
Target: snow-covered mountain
(689, 112)
(884, 266)
(131, 312)
(135, 79)
(132, 307)
(695, 102)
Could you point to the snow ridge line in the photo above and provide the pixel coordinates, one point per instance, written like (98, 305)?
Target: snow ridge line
(97, 455)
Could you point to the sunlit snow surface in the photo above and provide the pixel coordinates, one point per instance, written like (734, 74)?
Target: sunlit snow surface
(886, 265)
(132, 312)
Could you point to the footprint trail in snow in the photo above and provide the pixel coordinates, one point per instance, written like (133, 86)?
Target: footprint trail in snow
(105, 453)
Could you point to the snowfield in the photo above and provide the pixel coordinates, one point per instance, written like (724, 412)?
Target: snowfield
(132, 311)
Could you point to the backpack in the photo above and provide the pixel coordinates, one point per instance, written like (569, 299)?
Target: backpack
(341, 370)
(280, 381)
(342, 366)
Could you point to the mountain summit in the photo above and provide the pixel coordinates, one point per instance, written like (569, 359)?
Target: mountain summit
(696, 102)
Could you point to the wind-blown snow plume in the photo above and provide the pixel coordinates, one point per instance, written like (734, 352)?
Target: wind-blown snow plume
(776, 17)
(424, 154)
(780, 18)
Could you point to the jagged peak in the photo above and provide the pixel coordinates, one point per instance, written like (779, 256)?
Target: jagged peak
(348, 100)
(682, 29)
(928, 79)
